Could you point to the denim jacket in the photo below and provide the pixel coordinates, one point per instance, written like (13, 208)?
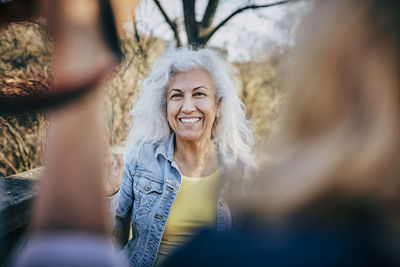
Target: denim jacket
(150, 184)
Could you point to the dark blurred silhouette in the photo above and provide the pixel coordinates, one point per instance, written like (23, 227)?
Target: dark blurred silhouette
(328, 195)
(18, 10)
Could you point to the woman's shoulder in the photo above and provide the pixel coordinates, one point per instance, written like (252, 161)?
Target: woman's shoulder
(142, 152)
(142, 159)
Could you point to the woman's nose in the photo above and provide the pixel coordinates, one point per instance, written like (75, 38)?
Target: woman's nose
(188, 105)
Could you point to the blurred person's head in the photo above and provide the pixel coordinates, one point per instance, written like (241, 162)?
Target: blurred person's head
(337, 147)
(159, 111)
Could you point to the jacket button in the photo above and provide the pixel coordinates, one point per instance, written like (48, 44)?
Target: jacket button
(147, 187)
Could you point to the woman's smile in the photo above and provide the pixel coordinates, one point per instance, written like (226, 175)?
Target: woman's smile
(189, 121)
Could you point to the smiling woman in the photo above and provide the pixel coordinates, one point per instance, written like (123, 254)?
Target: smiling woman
(189, 128)
(192, 109)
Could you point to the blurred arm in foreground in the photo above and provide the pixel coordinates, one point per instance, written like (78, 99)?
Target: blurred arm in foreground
(70, 224)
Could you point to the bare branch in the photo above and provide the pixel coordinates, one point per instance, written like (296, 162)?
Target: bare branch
(191, 25)
(167, 19)
(172, 24)
(240, 10)
(209, 13)
(189, 10)
(137, 36)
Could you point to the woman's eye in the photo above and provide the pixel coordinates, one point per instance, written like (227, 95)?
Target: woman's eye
(176, 95)
(199, 94)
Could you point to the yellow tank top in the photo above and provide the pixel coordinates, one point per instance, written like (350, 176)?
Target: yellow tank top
(195, 206)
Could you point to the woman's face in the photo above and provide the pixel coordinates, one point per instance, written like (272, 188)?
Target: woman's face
(191, 105)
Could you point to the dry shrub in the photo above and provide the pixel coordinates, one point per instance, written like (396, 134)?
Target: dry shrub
(262, 92)
(21, 143)
(122, 88)
(25, 54)
(25, 51)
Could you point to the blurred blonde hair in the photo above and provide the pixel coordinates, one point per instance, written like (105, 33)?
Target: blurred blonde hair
(339, 136)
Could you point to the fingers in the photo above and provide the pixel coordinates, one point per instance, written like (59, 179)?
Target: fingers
(114, 174)
(106, 147)
(120, 161)
(108, 161)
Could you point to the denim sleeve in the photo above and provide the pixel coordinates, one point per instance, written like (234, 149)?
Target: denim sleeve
(125, 204)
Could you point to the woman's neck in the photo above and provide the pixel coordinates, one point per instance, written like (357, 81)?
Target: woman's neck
(196, 159)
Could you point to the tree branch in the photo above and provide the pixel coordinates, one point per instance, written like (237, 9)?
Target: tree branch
(240, 10)
(189, 10)
(191, 25)
(137, 36)
(172, 24)
(209, 13)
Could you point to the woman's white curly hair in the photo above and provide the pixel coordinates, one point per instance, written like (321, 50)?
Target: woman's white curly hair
(231, 132)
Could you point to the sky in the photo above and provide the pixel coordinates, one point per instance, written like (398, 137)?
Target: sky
(244, 37)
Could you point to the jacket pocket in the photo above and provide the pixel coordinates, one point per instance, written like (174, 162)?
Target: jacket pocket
(148, 186)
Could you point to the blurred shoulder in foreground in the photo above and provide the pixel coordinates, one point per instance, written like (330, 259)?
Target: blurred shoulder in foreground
(331, 194)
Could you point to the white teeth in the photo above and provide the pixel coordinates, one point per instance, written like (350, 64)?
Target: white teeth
(191, 120)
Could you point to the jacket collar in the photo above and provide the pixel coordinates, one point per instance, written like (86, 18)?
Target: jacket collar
(167, 148)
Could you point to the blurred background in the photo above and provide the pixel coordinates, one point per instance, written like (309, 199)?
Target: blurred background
(254, 36)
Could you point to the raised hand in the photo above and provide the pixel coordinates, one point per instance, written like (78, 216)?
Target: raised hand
(114, 171)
